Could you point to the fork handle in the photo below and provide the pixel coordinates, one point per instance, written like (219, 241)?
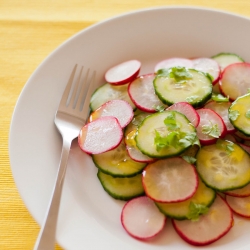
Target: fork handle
(46, 237)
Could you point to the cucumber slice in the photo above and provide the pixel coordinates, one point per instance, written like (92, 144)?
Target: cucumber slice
(225, 59)
(117, 162)
(121, 188)
(194, 87)
(223, 166)
(204, 196)
(239, 114)
(155, 139)
(108, 92)
(139, 116)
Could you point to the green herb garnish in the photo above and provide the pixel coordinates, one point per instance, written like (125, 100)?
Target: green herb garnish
(233, 115)
(170, 122)
(219, 98)
(225, 145)
(179, 74)
(248, 114)
(212, 130)
(195, 210)
(189, 140)
(189, 159)
(192, 98)
(170, 140)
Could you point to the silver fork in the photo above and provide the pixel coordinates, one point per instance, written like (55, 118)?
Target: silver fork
(71, 115)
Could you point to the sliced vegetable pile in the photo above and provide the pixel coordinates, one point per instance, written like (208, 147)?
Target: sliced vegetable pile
(174, 143)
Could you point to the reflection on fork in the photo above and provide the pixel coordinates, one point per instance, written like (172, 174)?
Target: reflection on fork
(71, 115)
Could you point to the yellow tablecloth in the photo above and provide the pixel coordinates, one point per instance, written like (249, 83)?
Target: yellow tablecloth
(29, 31)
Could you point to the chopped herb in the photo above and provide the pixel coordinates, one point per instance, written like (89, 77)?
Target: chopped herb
(189, 140)
(233, 114)
(192, 98)
(159, 108)
(189, 159)
(212, 130)
(248, 114)
(170, 122)
(162, 142)
(219, 98)
(195, 210)
(179, 74)
(225, 145)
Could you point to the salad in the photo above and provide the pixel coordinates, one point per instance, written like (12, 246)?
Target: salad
(174, 144)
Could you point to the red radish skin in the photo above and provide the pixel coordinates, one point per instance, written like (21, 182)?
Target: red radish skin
(206, 230)
(141, 218)
(120, 109)
(221, 108)
(208, 65)
(208, 117)
(235, 80)
(123, 73)
(245, 147)
(170, 180)
(239, 205)
(174, 62)
(141, 92)
(100, 136)
(241, 192)
(241, 136)
(133, 151)
(187, 110)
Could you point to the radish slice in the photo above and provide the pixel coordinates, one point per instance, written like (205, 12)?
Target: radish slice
(240, 205)
(117, 108)
(123, 73)
(230, 137)
(174, 62)
(221, 108)
(241, 192)
(141, 218)
(187, 110)
(211, 126)
(133, 151)
(241, 136)
(235, 80)
(209, 66)
(142, 93)
(170, 180)
(245, 147)
(101, 135)
(209, 228)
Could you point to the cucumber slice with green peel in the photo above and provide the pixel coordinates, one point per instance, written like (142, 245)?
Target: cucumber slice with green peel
(121, 188)
(239, 114)
(165, 134)
(183, 85)
(133, 150)
(108, 92)
(225, 59)
(191, 208)
(117, 162)
(136, 121)
(223, 166)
